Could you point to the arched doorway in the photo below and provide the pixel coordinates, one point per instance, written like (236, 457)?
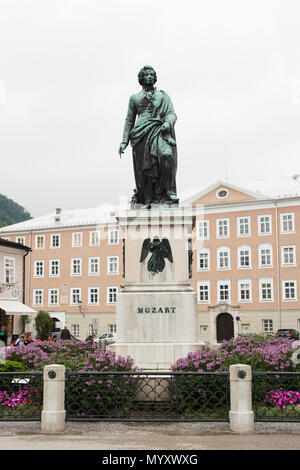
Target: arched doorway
(225, 329)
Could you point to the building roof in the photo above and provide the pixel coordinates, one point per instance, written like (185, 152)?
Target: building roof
(102, 215)
(10, 244)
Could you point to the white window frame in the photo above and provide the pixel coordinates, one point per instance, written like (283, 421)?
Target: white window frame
(268, 326)
(51, 304)
(109, 272)
(22, 242)
(112, 240)
(224, 282)
(240, 283)
(92, 258)
(206, 252)
(284, 287)
(73, 271)
(261, 247)
(108, 294)
(267, 280)
(52, 238)
(202, 226)
(50, 267)
(112, 328)
(91, 293)
(205, 284)
(244, 248)
(218, 226)
(293, 248)
(74, 236)
(97, 235)
(239, 225)
(75, 329)
(292, 230)
(72, 290)
(37, 237)
(260, 222)
(223, 249)
(10, 270)
(34, 297)
(35, 275)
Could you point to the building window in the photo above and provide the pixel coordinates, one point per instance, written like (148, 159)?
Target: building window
(94, 266)
(75, 295)
(39, 242)
(53, 297)
(39, 268)
(266, 290)
(75, 330)
(268, 326)
(93, 295)
(203, 292)
(54, 267)
(264, 224)
(76, 267)
(287, 223)
(265, 256)
(222, 193)
(223, 291)
(245, 290)
(244, 226)
(289, 290)
(9, 270)
(222, 228)
(38, 297)
(203, 260)
(95, 238)
(244, 257)
(288, 255)
(112, 328)
(112, 265)
(76, 239)
(223, 257)
(113, 237)
(55, 241)
(112, 295)
(20, 240)
(203, 229)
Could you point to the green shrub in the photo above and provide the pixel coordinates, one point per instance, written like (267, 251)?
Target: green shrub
(13, 366)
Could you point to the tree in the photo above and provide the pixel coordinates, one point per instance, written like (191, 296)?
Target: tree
(11, 212)
(43, 324)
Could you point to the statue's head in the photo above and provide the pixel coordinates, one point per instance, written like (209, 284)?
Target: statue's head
(143, 71)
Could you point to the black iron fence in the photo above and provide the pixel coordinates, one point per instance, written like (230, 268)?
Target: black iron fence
(147, 396)
(276, 396)
(21, 396)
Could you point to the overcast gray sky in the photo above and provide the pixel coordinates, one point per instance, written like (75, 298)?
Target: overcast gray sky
(68, 67)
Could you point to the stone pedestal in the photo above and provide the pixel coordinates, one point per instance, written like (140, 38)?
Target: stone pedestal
(156, 313)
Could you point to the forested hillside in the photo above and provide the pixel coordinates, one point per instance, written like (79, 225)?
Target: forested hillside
(11, 212)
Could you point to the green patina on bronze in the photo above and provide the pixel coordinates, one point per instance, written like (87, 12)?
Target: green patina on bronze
(160, 250)
(149, 127)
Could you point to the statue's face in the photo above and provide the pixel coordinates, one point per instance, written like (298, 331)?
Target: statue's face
(149, 77)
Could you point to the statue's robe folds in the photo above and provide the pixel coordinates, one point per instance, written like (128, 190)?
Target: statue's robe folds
(154, 152)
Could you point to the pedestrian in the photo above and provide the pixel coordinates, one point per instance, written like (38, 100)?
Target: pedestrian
(28, 340)
(65, 333)
(54, 339)
(20, 340)
(91, 338)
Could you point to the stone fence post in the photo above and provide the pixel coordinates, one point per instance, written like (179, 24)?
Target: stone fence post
(241, 416)
(53, 413)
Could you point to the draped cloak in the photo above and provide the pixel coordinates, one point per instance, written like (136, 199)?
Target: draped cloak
(154, 152)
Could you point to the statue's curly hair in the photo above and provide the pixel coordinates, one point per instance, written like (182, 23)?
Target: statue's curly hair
(141, 74)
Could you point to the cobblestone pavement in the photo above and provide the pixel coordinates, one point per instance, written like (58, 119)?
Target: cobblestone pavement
(154, 436)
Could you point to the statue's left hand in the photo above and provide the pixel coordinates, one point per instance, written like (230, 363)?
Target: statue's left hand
(165, 127)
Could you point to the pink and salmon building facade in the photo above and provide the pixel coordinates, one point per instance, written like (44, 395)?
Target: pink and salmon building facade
(245, 266)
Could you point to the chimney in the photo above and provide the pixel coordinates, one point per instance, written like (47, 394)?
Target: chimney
(57, 214)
